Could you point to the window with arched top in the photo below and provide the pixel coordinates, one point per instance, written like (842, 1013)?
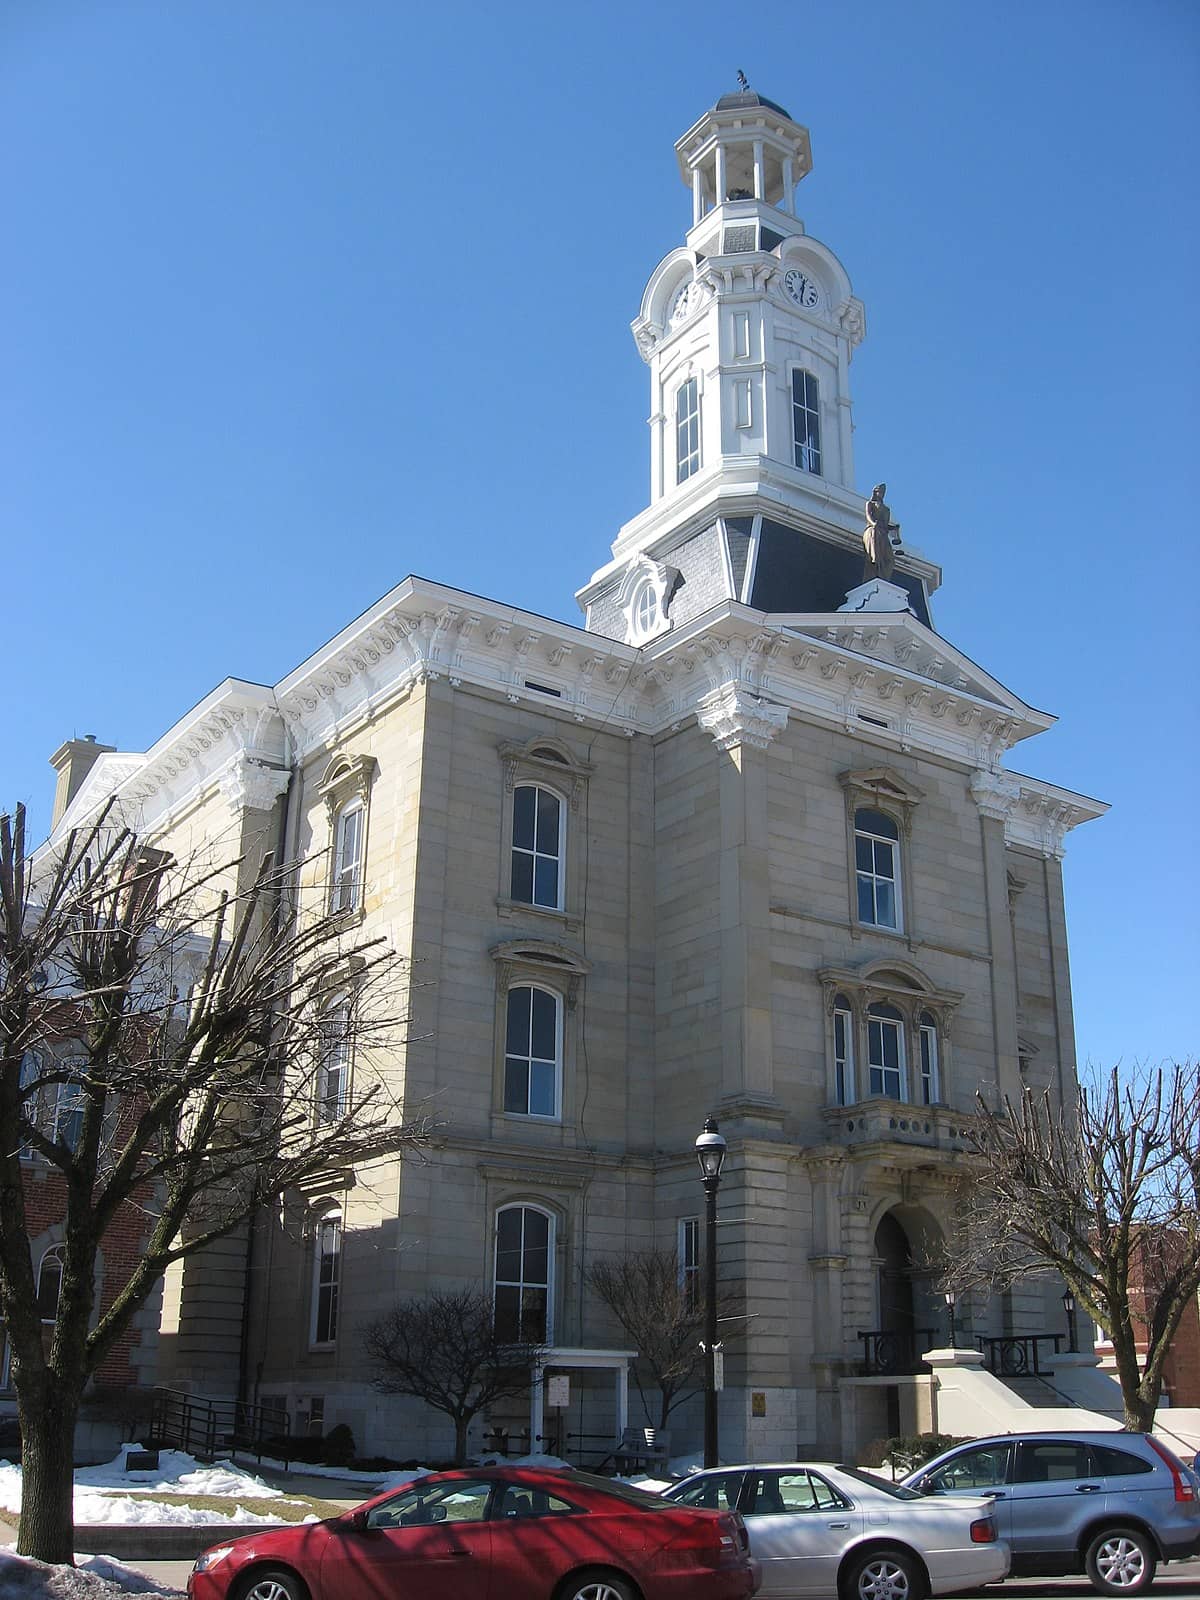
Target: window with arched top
(687, 430)
(538, 829)
(533, 1052)
(524, 1260)
(333, 1067)
(327, 1278)
(927, 1037)
(346, 888)
(843, 1051)
(877, 867)
(49, 1283)
(806, 421)
(885, 1051)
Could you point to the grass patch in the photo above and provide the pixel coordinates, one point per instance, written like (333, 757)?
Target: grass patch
(292, 1508)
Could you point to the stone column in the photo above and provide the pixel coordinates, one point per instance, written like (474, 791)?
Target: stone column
(742, 725)
(995, 794)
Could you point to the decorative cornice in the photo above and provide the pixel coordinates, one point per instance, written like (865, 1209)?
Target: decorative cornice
(735, 717)
(250, 785)
(995, 793)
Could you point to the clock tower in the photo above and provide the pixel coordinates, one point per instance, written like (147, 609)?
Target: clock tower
(748, 329)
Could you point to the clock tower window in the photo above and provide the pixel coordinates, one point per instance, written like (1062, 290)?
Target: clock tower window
(687, 430)
(806, 420)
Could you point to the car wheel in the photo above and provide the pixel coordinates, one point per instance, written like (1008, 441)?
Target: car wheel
(275, 1584)
(596, 1584)
(883, 1575)
(1121, 1561)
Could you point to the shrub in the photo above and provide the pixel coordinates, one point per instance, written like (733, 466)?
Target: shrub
(339, 1446)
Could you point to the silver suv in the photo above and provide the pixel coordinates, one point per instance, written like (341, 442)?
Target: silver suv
(1112, 1505)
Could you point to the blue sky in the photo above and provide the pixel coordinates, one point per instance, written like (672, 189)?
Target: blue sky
(298, 298)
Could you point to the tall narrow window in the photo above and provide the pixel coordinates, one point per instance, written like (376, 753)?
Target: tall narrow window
(806, 420)
(877, 866)
(689, 1261)
(537, 847)
(49, 1283)
(346, 891)
(327, 1278)
(523, 1259)
(532, 1052)
(66, 1116)
(333, 1073)
(687, 430)
(885, 1051)
(927, 1033)
(843, 1051)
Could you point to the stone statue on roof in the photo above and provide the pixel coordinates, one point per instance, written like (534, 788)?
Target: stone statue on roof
(880, 536)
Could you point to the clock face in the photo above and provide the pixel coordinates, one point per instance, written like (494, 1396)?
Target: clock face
(682, 303)
(801, 289)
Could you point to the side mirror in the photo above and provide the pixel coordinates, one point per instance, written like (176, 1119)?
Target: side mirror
(925, 1486)
(356, 1521)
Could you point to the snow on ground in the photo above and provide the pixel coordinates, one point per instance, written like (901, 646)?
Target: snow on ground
(96, 1578)
(177, 1473)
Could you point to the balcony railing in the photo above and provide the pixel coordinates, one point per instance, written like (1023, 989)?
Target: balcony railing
(896, 1123)
(895, 1354)
(1018, 1355)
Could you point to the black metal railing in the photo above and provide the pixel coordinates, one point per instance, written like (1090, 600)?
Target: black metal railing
(207, 1428)
(1017, 1355)
(894, 1352)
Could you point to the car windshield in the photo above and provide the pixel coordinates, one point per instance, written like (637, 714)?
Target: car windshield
(643, 1499)
(896, 1490)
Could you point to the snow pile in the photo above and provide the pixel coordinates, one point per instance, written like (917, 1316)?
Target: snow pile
(176, 1473)
(96, 1578)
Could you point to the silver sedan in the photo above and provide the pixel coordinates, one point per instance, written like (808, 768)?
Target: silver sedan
(836, 1531)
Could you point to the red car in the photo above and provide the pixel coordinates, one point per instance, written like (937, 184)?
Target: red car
(493, 1533)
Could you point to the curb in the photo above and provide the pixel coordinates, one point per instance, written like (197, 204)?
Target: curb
(150, 1541)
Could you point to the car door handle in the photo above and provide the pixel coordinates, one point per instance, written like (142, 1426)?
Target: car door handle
(1087, 1488)
(839, 1524)
(996, 1494)
(464, 1555)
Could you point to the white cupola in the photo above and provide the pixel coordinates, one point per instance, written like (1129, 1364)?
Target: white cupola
(748, 328)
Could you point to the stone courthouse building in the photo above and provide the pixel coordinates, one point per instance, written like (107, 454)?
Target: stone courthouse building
(742, 842)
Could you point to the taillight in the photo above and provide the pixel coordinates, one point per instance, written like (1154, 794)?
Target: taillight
(1184, 1488)
(984, 1531)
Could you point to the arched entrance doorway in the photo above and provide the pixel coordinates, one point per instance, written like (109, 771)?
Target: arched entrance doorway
(894, 1279)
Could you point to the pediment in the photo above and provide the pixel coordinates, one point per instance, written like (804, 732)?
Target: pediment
(899, 640)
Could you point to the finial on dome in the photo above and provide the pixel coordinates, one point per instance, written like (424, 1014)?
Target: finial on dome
(743, 81)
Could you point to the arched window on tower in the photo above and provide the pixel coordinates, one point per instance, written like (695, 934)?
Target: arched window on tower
(347, 857)
(687, 430)
(806, 420)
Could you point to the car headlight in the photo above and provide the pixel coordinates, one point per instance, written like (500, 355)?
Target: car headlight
(211, 1558)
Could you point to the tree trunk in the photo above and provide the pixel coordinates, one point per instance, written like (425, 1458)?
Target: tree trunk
(1139, 1413)
(461, 1424)
(47, 1530)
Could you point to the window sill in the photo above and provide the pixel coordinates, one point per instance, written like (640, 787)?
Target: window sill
(509, 908)
(349, 915)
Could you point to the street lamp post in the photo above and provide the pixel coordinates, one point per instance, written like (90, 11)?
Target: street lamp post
(951, 1302)
(710, 1153)
(1068, 1301)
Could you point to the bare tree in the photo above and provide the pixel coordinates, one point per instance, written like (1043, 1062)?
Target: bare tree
(1104, 1193)
(664, 1319)
(164, 1037)
(444, 1349)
